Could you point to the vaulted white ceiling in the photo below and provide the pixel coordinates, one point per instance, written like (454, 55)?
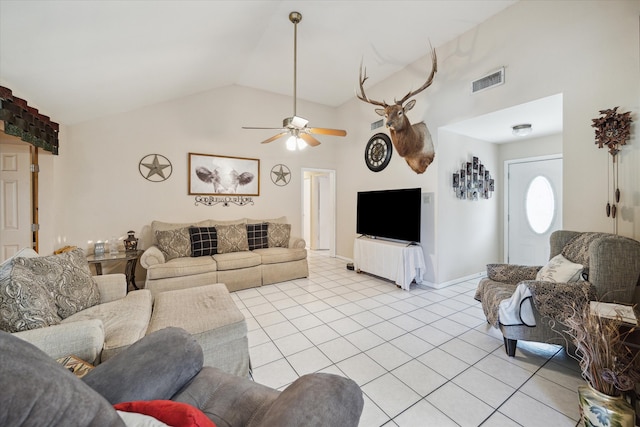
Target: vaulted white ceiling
(77, 60)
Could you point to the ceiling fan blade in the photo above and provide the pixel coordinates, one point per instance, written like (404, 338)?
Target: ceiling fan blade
(250, 127)
(323, 131)
(274, 137)
(309, 139)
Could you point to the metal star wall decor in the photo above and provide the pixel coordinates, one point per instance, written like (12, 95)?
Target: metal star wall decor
(155, 167)
(280, 175)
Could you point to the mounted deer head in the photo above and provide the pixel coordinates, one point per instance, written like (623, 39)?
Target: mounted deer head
(412, 142)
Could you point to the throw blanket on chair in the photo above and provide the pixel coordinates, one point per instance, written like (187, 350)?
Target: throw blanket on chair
(552, 300)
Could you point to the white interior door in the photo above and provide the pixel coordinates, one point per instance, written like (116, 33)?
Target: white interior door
(15, 199)
(534, 209)
(306, 210)
(323, 213)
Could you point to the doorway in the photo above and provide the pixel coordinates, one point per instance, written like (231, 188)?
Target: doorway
(533, 208)
(18, 196)
(319, 209)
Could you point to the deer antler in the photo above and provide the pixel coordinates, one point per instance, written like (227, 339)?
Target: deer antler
(361, 96)
(434, 70)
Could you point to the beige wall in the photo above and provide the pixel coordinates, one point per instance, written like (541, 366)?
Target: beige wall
(588, 51)
(105, 194)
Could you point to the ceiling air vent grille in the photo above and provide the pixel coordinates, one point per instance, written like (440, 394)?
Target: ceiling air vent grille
(490, 80)
(376, 125)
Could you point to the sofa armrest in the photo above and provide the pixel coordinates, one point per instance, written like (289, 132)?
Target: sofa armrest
(152, 256)
(317, 399)
(511, 273)
(297, 242)
(312, 400)
(83, 339)
(111, 286)
(153, 368)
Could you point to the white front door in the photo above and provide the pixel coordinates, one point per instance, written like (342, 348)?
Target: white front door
(534, 208)
(15, 199)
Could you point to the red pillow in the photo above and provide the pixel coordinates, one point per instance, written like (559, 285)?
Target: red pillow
(176, 414)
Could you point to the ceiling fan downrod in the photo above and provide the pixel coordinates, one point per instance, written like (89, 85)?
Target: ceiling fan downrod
(295, 17)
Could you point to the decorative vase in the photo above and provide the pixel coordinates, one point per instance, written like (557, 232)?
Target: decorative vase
(131, 243)
(599, 409)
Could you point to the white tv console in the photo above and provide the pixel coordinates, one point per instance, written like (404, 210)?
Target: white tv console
(399, 262)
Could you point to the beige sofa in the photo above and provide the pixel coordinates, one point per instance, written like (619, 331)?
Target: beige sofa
(54, 303)
(171, 264)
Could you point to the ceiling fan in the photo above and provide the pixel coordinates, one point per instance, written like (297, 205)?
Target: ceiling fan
(296, 127)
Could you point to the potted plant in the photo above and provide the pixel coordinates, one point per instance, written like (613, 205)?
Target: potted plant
(609, 365)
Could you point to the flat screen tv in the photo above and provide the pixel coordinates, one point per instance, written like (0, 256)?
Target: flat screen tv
(390, 214)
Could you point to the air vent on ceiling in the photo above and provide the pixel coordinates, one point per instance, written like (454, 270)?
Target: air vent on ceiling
(376, 125)
(490, 80)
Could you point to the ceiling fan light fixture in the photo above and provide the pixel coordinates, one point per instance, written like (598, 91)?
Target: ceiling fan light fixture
(523, 129)
(292, 143)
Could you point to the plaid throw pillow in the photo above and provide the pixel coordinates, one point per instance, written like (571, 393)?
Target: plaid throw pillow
(204, 241)
(257, 236)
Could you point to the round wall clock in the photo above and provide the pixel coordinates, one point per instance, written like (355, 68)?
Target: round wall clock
(377, 153)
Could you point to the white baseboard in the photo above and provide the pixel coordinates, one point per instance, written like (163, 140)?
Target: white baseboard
(454, 281)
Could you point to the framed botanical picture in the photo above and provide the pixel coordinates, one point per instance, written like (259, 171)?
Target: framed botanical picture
(222, 175)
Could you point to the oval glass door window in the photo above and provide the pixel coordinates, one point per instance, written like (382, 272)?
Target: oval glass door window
(540, 204)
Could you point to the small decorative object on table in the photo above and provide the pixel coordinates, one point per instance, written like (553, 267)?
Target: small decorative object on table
(131, 242)
(113, 245)
(610, 367)
(98, 249)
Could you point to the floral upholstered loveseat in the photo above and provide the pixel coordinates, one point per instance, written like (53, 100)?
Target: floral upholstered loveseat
(243, 253)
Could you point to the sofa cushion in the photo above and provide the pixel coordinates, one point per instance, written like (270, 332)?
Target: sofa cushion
(280, 220)
(174, 243)
(38, 391)
(236, 260)
(280, 255)
(215, 222)
(155, 367)
(204, 241)
(164, 226)
(175, 414)
(125, 320)
(278, 235)
(68, 278)
(232, 238)
(25, 301)
(257, 236)
(179, 267)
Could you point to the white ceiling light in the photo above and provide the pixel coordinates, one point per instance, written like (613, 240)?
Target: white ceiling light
(522, 130)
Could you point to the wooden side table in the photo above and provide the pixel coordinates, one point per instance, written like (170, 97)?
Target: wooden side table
(131, 257)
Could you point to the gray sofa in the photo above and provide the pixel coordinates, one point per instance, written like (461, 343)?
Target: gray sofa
(110, 319)
(167, 364)
(172, 264)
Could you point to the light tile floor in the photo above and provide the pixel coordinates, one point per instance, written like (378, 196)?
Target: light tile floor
(423, 357)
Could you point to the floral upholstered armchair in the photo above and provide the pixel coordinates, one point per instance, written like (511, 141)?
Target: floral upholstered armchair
(529, 302)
